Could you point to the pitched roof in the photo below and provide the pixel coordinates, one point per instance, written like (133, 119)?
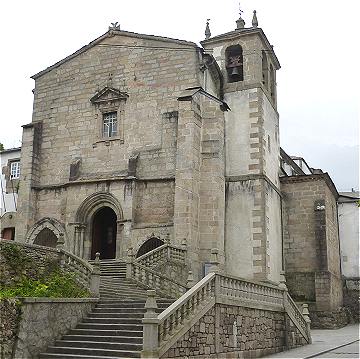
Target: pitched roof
(113, 32)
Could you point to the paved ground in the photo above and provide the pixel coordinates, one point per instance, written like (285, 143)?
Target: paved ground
(336, 343)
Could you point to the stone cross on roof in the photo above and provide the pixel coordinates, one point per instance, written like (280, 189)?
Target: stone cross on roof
(240, 23)
(114, 26)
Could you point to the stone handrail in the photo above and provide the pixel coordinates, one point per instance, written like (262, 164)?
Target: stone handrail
(153, 280)
(74, 264)
(296, 316)
(173, 319)
(162, 254)
(85, 273)
(247, 291)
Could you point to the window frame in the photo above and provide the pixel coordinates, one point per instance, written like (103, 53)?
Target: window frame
(17, 170)
(107, 116)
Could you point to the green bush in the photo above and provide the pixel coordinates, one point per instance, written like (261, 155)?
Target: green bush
(56, 285)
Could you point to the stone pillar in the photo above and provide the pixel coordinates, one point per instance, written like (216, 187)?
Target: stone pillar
(95, 277)
(212, 181)
(150, 328)
(129, 262)
(190, 280)
(30, 175)
(305, 313)
(119, 236)
(214, 260)
(187, 179)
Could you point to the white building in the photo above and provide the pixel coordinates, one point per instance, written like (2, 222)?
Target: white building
(9, 185)
(349, 233)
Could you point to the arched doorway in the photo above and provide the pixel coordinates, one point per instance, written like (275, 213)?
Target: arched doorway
(149, 245)
(104, 233)
(46, 237)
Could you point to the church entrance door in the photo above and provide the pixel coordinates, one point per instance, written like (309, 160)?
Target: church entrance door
(104, 234)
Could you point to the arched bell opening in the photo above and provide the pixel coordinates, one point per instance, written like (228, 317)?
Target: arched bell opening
(104, 228)
(46, 237)
(234, 63)
(149, 245)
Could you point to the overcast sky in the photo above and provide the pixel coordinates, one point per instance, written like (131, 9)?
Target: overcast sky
(316, 42)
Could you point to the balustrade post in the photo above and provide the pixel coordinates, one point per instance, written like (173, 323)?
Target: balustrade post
(60, 244)
(214, 261)
(305, 313)
(284, 289)
(129, 262)
(190, 280)
(95, 277)
(150, 327)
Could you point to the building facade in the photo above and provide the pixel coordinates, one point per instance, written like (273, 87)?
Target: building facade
(9, 187)
(139, 139)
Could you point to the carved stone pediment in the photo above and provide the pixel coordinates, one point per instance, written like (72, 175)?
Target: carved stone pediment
(108, 95)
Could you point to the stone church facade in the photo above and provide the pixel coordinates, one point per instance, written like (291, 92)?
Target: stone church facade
(138, 140)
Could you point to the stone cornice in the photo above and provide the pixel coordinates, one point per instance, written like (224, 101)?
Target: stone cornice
(313, 177)
(99, 180)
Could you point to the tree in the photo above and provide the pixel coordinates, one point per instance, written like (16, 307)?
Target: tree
(1, 147)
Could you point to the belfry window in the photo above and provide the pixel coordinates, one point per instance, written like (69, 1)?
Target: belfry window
(234, 63)
(110, 124)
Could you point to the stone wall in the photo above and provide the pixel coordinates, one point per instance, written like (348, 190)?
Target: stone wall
(9, 323)
(154, 202)
(351, 298)
(44, 320)
(231, 331)
(311, 242)
(31, 261)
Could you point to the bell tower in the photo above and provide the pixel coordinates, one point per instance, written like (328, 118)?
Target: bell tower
(253, 235)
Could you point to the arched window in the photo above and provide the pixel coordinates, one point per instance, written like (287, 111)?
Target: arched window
(46, 237)
(234, 63)
(265, 70)
(149, 245)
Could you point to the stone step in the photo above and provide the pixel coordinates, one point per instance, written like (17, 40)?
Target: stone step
(95, 326)
(104, 339)
(117, 315)
(99, 345)
(107, 333)
(72, 356)
(92, 351)
(121, 320)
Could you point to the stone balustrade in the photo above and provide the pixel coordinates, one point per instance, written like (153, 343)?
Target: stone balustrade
(84, 272)
(166, 252)
(217, 289)
(151, 279)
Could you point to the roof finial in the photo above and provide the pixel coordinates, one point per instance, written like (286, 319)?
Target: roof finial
(207, 30)
(114, 26)
(240, 23)
(254, 20)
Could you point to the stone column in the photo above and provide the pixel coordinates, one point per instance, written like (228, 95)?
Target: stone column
(30, 176)
(187, 179)
(95, 277)
(150, 328)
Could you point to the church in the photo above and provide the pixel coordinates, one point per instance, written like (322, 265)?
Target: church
(140, 140)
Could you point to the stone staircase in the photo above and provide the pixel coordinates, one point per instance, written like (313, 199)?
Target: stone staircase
(113, 329)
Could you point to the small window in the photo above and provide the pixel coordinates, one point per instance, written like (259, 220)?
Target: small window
(15, 170)
(110, 124)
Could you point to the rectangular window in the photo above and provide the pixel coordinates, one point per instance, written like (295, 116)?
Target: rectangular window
(110, 124)
(15, 170)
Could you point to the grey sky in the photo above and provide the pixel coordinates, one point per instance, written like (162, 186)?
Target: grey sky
(315, 41)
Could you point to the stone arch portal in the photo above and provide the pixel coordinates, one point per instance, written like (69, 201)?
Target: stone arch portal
(97, 227)
(103, 236)
(47, 232)
(149, 245)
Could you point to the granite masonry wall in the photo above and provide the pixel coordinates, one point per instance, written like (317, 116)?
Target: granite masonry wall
(311, 243)
(44, 320)
(232, 331)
